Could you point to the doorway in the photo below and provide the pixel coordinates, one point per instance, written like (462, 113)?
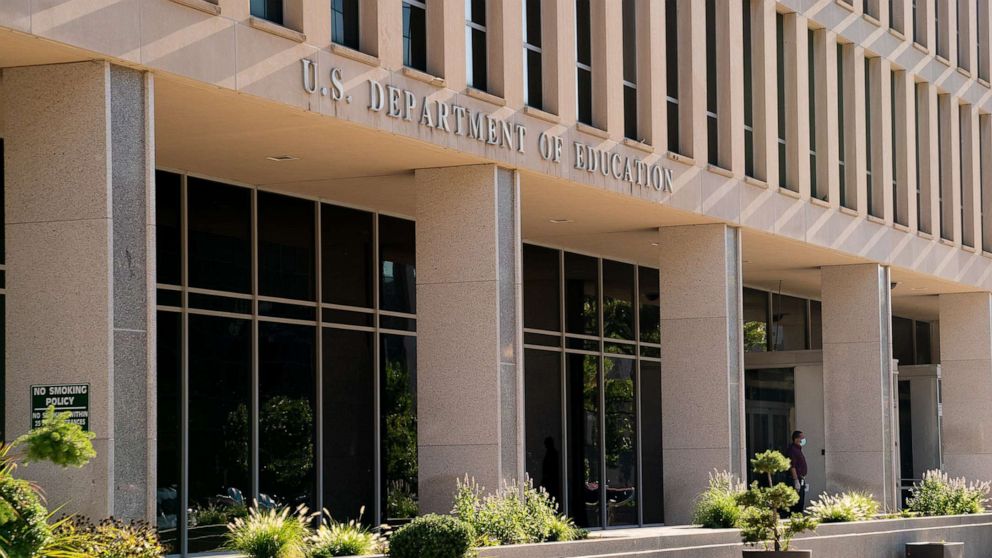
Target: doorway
(770, 410)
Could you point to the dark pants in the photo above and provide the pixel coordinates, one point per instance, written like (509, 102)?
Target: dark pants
(801, 504)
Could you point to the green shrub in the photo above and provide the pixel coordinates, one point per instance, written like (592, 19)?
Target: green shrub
(111, 538)
(269, 533)
(334, 538)
(432, 536)
(938, 494)
(515, 514)
(58, 440)
(849, 506)
(26, 530)
(759, 521)
(717, 507)
(217, 515)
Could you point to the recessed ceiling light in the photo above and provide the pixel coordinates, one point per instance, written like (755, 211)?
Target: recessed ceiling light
(918, 289)
(560, 221)
(281, 158)
(654, 244)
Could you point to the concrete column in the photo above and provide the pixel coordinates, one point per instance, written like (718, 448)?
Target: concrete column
(926, 156)
(551, 30)
(446, 42)
(904, 149)
(730, 87)
(469, 338)
(968, 29)
(880, 99)
(563, 54)
(855, 112)
(692, 79)
(652, 106)
(949, 166)
(797, 103)
(985, 182)
(80, 259)
(765, 91)
(971, 201)
(824, 99)
(607, 67)
(702, 368)
(966, 388)
(506, 39)
(857, 382)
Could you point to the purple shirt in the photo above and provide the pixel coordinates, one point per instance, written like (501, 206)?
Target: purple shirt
(795, 454)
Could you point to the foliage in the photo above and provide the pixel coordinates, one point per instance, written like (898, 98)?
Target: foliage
(755, 336)
(286, 424)
(217, 515)
(401, 501)
(110, 538)
(717, 507)
(849, 506)
(400, 440)
(333, 538)
(27, 530)
(759, 522)
(517, 513)
(938, 494)
(58, 440)
(275, 533)
(432, 536)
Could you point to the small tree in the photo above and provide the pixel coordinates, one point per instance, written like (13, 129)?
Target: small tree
(759, 522)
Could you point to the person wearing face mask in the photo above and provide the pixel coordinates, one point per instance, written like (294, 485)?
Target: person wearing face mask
(797, 471)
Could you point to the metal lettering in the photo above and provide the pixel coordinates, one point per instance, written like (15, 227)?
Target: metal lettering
(475, 127)
(616, 165)
(309, 75)
(442, 116)
(459, 117)
(394, 101)
(337, 85)
(669, 181)
(426, 118)
(580, 156)
(521, 132)
(409, 105)
(377, 96)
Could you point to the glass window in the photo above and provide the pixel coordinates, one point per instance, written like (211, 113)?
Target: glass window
(923, 352)
(813, 94)
(267, 9)
(815, 325)
(584, 460)
(841, 124)
(344, 22)
(542, 412)
(780, 83)
(168, 228)
(896, 209)
(415, 34)
(347, 256)
(902, 341)
(286, 255)
(397, 265)
(944, 186)
(168, 401)
(583, 56)
(873, 208)
(652, 488)
(748, 92)
(475, 41)
(672, 72)
(618, 300)
(581, 294)
(219, 236)
(648, 286)
(630, 69)
(219, 427)
(620, 417)
(287, 399)
(922, 223)
(399, 426)
(349, 423)
(755, 320)
(712, 101)
(533, 52)
(788, 323)
(542, 288)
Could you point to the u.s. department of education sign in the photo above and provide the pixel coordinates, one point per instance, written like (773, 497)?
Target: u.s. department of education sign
(74, 398)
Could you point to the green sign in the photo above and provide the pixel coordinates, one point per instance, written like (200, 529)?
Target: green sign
(74, 398)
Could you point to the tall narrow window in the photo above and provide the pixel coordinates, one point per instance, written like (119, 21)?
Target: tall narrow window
(780, 83)
(841, 128)
(939, 7)
(921, 225)
(476, 58)
(872, 209)
(712, 102)
(672, 71)
(868, 8)
(811, 71)
(963, 144)
(893, 77)
(962, 58)
(267, 9)
(981, 11)
(943, 108)
(415, 34)
(533, 54)
(344, 22)
(983, 184)
(892, 15)
(748, 92)
(919, 35)
(583, 60)
(630, 69)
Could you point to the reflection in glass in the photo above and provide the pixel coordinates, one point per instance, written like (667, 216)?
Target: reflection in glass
(346, 255)
(770, 410)
(286, 255)
(902, 341)
(542, 287)
(581, 294)
(651, 461)
(415, 35)
(349, 423)
(397, 264)
(169, 343)
(219, 426)
(618, 300)
(815, 325)
(584, 467)
(219, 236)
(755, 320)
(620, 413)
(648, 285)
(168, 228)
(788, 323)
(542, 410)
(287, 403)
(399, 426)
(923, 352)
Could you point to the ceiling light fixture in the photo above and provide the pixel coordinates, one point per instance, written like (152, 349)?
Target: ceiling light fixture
(281, 158)
(560, 221)
(654, 244)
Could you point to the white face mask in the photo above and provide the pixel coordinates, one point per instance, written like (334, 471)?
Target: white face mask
(802, 442)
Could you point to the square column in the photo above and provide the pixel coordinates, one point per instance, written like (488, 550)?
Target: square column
(470, 336)
(702, 388)
(857, 381)
(80, 259)
(966, 387)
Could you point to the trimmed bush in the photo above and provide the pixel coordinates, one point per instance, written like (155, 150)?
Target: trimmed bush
(432, 536)
(840, 508)
(343, 539)
(717, 507)
(759, 522)
(111, 538)
(59, 441)
(25, 530)
(270, 533)
(938, 494)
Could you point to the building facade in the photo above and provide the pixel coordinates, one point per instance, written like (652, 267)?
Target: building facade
(345, 253)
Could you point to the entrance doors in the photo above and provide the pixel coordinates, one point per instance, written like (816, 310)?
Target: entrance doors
(770, 409)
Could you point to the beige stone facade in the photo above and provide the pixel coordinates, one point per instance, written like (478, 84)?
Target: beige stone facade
(835, 153)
